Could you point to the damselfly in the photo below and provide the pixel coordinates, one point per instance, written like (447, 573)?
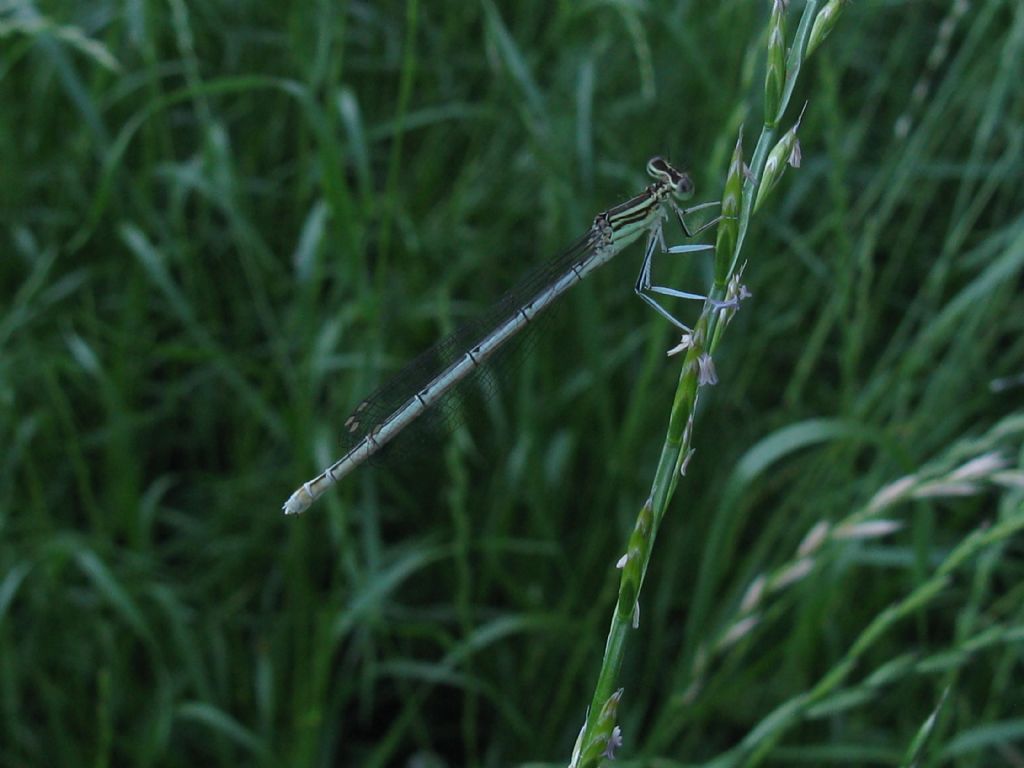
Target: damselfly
(428, 382)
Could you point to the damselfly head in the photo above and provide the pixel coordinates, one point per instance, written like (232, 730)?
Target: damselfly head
(678, 182)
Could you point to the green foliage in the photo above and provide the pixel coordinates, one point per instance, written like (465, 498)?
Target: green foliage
(223, 224)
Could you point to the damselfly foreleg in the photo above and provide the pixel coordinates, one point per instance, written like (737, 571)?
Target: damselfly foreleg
(682, 213)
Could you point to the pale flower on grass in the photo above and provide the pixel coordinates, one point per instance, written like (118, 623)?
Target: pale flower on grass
(707, 374)
(814, 538)
(614, 742)
(685, 342)
(792, 573)
(872, 529)
(795, 155)
(980, 467)
(686, 461)
(945, 488)
(752, 597)
(891, 493)
(738, 631)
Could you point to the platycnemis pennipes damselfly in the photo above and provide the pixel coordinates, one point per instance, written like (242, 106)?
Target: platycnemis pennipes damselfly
(425, 383)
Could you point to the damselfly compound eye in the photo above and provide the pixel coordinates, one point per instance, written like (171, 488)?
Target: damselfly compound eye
(683, 186)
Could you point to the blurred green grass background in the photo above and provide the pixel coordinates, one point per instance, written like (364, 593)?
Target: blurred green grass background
(224, 224)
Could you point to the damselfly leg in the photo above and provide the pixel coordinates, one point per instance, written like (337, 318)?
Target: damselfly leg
(644, 287)
(682, 213)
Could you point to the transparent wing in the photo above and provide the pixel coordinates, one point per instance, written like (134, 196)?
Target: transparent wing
(450, 410)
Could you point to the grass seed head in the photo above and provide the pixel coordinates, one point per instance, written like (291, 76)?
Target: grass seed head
(775, 75)
(823, 24)
(786, 151)
(728, 227)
